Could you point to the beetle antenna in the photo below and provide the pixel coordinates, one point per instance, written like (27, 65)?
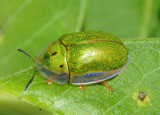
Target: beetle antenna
(30, 80)
(27, 54)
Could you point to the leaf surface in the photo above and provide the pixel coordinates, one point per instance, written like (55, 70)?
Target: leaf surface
(33, 24)
(142, 74)
(126, 19)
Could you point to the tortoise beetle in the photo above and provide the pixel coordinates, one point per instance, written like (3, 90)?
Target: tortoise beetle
(82, 58)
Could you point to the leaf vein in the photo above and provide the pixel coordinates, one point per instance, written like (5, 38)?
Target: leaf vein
(131, 91)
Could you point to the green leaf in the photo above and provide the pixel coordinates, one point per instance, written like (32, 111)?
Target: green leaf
(124, 18)
(33, 24)
(142, 74)
(10, 105)
(158, 31)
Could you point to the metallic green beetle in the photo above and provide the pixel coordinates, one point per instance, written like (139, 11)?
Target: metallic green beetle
(83, 58)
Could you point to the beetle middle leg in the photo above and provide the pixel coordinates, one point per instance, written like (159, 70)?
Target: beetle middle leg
(48, 81)
(107, 86)
(82, 87)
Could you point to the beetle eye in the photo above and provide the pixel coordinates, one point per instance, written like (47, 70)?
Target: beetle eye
(54, 53)
(61, 66)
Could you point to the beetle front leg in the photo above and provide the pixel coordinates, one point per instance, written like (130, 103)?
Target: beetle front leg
(82, 87)
(49, 80)
(107, 86)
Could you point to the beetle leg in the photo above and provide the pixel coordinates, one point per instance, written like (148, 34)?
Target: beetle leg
(82, 87)
(107, 86)
(48, 81)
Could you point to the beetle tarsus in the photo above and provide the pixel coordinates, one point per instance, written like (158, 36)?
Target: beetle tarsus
(82, 87)
(48, 81)
(107, 86)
